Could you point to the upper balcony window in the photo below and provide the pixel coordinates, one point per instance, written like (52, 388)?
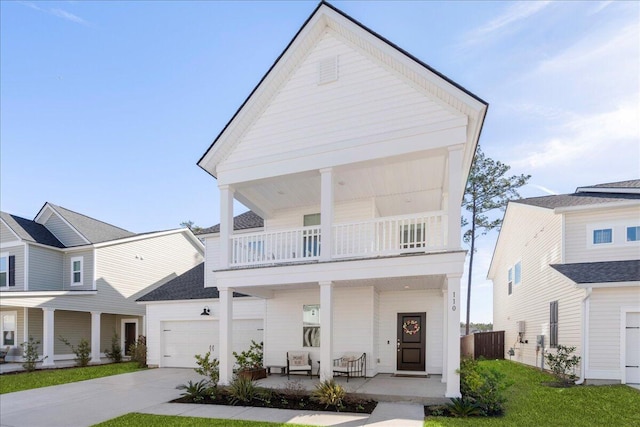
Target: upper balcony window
(602, 236)
(633, 234)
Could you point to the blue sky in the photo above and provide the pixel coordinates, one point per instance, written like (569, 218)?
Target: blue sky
(107, 106)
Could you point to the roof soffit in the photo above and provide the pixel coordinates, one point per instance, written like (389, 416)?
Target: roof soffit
(325, 18)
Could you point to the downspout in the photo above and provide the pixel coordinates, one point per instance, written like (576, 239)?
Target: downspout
(585, 336)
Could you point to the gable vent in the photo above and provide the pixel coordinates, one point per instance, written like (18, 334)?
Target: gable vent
(328, 70)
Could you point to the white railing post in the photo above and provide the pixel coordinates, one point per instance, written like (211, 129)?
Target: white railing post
(326, 213)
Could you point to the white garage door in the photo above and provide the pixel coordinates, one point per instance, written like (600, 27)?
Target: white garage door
(632, 347)
(182, 340)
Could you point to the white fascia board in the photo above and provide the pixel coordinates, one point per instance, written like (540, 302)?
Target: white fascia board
(608, 285)
(616, 190)
(188, 232)
(9, 295)
(12, 244)
(598, 206)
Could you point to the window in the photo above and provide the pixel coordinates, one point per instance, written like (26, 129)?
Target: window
(8, 326)
(553, 324)
(633, 234)
(602, 236)
(510, 281)
(7, 270)
(76, 271)
(518, 273)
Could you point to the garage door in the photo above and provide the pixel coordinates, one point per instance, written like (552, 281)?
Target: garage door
(632, 347)
(182, 340)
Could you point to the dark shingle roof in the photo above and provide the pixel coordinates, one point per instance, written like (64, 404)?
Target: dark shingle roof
(243, 221)
(584, 197)
(601, 272)
(31, 231)
(95, 231)
(189, 285)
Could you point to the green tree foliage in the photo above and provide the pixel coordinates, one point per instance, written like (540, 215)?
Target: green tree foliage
(487, 189)
(191, 226)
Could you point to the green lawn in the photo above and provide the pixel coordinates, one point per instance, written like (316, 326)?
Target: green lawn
(47, 377)
(138, 420)
(532, 404)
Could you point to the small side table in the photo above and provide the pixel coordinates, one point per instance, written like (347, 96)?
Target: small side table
(283, 369)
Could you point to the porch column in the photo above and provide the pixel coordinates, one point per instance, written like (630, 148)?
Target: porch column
(226, 224)
(326, 330)
(326, 214)
(454, 198)
(453, 335)
(445, 326)
(48, 337)
(95, 337)
(226, 339)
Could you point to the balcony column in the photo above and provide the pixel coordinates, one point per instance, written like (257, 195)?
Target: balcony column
(326, 213)
(226, 338)
(454, 197)
(326, 331)
(48, 337)
(445, 302)
(452, 331)
(226, 224)
(95, 337)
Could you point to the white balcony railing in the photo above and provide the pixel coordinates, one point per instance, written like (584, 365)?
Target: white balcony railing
(376, 237)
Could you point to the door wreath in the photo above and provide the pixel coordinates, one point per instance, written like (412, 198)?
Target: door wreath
(411, 327)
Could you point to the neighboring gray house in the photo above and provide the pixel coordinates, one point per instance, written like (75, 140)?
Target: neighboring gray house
(567, 268)
(66, 274)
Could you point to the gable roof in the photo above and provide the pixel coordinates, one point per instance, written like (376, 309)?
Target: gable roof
(189, 285)
(585, 196)
(93, 230)
(601, 272)
(30, 231)
(243, 221)
(326, 16)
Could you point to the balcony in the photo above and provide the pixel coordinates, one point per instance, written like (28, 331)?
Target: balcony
(387, 236)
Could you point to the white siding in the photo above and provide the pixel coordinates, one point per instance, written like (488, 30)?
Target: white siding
(533, 236)
(18, 252)
(157, 313)
(212, 259)
(366, 99)
(392, 303)
(67, 235)
(343, 212)
(579, 227)
(604, 329)
(45, 269)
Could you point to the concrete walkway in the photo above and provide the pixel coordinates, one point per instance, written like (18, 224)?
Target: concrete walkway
(90, 402)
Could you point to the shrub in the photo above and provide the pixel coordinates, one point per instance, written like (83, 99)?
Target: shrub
(483, 387)
(115, 352)
(328, 393)
(30, 354)
(242, 389)
(294, 389)
(462, 408)
(563, 364)
(250, 359)
(138, 351)
(82, 351)
(195, 392)
(209, 368)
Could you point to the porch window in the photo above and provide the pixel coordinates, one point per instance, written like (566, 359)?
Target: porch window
(413, 236)
(553, 324)
(311, 325)
(633, 234)
(602, 236)
(76, 271)
(8, 327)
(311, 238)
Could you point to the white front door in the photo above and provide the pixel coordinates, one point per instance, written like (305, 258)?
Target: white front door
(632, 349)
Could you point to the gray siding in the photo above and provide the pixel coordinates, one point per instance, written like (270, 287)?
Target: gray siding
(45, 269)
(73, 326)
(67, 235)
(87, 271)
(6, 235)
(18, 252)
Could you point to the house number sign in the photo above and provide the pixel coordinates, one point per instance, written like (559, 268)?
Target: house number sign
(453, 307)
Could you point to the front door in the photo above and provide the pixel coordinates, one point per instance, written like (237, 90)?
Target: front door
(411, 341)
(129, 336)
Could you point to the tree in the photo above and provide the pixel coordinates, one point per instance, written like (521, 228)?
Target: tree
(487, 189)
(191, 226)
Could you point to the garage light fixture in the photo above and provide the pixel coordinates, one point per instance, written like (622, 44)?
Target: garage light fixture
(205, 311)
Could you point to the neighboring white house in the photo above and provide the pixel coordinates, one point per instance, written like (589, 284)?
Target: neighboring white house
(66, 274)
(355, 154)
(567, 268)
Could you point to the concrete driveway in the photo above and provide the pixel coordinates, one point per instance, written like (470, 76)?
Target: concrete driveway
(89, 402)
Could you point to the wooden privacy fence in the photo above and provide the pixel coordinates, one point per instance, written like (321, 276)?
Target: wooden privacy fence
(489, 345)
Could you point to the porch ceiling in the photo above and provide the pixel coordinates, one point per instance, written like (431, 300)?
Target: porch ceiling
(400, 185)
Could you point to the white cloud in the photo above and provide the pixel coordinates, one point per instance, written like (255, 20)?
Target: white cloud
(56, 12)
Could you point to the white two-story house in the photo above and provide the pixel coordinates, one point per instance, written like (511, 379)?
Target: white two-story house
(355, 155)
(566, 271)
(66, 274)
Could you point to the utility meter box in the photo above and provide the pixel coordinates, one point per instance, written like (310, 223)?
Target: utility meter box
(540, 341)
(521, 326)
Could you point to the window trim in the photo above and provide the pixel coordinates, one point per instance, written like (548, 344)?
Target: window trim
(600, 244)
(15, 331)
(553, 323)
(6, 272)
(81, 271)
